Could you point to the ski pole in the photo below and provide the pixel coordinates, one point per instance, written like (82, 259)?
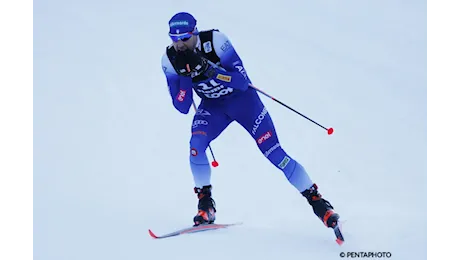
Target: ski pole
(214, 163)
(329, 130)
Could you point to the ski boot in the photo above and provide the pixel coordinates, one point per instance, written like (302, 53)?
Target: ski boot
(321, 207)
(206, 206)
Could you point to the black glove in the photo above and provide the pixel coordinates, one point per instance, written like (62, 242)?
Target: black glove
(189, 62)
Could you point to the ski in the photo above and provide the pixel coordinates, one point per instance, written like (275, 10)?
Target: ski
(193, 229)
(338, 233)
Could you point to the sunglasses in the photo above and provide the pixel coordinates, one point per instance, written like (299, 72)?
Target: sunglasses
(183, 36)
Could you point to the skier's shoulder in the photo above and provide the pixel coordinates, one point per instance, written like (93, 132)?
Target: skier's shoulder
(166, 64)
(220, 41)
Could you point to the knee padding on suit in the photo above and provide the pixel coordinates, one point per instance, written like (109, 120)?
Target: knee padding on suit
(198, 145)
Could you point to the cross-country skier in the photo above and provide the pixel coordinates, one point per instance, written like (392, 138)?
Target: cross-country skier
(206, 62)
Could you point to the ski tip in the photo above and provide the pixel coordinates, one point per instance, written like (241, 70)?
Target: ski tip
(151, 234)
(339, 241)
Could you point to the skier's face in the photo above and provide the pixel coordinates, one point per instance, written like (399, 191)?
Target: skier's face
(185, 44)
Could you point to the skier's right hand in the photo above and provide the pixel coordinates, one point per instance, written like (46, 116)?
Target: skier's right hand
(188, 62)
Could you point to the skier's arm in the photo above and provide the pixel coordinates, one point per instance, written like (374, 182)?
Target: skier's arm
(180, 88)
(230, 73)
(230, 61)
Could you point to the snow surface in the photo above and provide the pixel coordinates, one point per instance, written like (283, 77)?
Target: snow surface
(111, 152)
